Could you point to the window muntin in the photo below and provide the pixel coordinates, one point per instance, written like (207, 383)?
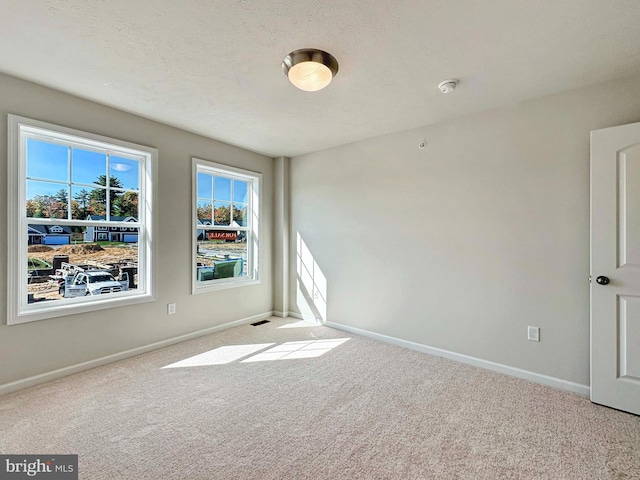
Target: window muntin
(77, 202)
(226, 226)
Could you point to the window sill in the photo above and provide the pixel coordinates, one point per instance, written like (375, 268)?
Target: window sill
(66, 310)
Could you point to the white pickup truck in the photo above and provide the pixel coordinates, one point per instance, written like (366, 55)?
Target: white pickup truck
(92, 282)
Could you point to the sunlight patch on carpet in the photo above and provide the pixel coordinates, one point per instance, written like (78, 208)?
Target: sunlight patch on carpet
(220, 355)
(293, 350)
(300, 324)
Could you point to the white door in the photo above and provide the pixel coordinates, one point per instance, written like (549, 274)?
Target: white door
(615, 267)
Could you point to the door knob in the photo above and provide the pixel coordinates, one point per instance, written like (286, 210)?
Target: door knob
(601, 280)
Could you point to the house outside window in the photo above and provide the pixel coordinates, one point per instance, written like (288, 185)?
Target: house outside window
(66, 185)
(226, 221)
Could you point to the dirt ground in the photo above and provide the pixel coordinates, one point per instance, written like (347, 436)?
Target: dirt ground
(79, 254)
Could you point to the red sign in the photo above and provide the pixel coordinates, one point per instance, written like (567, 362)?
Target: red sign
(223, 235)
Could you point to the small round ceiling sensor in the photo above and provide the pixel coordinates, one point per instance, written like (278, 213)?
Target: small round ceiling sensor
(448, 86)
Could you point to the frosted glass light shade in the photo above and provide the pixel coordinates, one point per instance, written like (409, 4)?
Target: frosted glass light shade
(309, 69)
(310, 76)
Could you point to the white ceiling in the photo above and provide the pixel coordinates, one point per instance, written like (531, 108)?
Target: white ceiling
(213, 66)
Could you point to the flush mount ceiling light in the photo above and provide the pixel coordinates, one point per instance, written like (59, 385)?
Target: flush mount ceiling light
(310, 69)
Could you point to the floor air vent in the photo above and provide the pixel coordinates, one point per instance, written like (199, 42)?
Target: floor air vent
(259, 323)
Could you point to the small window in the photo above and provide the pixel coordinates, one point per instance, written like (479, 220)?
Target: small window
(68, 191)
(226, 219)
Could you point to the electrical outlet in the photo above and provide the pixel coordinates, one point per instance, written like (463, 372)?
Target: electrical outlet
(171, 308)
(533, 334)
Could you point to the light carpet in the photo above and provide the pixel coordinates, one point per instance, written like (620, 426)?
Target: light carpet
(273, 402)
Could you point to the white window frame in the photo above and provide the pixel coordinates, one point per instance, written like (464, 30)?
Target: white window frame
(18, 308)
(254, 248)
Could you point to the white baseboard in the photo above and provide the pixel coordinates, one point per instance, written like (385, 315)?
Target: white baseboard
(558, 383)
(70, 370)
(278, 313)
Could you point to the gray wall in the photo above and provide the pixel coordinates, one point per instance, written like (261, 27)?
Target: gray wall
(464, 243)
(39, 347)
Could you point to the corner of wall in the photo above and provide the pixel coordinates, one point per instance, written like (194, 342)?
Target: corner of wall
(281, 223)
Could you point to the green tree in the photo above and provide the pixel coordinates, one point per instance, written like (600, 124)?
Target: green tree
(48, 206)
(31, 208)
(126, 205)
(99, 195)
(221, 215)
(36, 207)
(60, 204)
(83, 201)
(204, 213)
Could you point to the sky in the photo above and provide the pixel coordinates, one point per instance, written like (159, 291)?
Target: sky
(48, 173)
(221, 186)
(48, 161)
(217, 191)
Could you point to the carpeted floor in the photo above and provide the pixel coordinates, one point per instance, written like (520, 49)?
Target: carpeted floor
(278, 403)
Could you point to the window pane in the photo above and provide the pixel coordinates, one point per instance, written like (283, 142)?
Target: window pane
(47, 161)
(68, 262)
(205, 186)
(222, 189)
(88, 167)
(224, 256)
(240, 191)
(47, 200)
(126, 171)
(98, 202)
(240, 214)
(80, 203)
(124, 205)
(205, 212)
(222, 213)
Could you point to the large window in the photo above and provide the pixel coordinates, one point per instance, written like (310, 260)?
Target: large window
(80, 221)
(226, 215)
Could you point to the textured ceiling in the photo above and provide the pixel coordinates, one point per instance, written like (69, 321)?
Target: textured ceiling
(213, 66)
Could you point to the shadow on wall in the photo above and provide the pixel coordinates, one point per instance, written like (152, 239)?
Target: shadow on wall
(311, 285)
